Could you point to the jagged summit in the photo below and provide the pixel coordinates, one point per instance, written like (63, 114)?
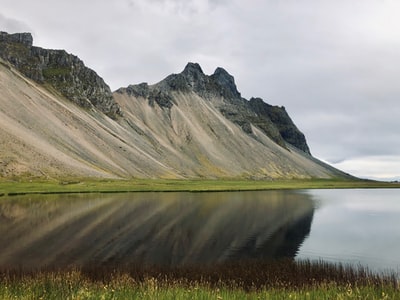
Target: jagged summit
(192, 70)
(227, 82)
(191, 79)
(220, 83)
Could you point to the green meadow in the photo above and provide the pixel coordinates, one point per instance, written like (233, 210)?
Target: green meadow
(25, 186)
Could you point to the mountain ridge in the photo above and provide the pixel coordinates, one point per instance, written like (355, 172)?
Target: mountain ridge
(188, 125)
(65, 72)
(272, 120)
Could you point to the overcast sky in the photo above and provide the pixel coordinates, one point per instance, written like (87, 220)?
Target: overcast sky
(334, 64)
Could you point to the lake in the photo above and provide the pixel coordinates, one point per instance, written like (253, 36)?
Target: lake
(357, 226)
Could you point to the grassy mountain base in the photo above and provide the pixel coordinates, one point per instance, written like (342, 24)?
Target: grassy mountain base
(75, 185)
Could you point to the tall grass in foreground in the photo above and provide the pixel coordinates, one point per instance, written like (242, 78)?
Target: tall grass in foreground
(283, 279)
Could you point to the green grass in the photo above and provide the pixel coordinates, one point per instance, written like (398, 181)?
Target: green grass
(153, 290)
(56, 72)
(269, 280)
(26, 186)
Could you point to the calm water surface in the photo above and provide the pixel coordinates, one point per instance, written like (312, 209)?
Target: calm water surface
(357, 226)
(351, 226)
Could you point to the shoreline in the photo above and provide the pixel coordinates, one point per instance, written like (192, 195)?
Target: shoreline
(90, 185)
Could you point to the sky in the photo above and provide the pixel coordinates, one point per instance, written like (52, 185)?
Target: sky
(333, 64)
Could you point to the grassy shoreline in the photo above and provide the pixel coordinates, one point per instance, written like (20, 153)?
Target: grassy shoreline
(285, 279)
(23, 187)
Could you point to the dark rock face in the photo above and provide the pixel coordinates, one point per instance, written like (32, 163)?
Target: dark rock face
(65, 72)
(272, 120)
(21, 38)
(227, 84)
(280, 118)
(193, 79)
(154, 96)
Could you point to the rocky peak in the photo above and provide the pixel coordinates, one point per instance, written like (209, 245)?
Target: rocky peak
(227, 83)
(223, 77)
(64, 72)
(193, 79)
(24, 38)
(192, 70)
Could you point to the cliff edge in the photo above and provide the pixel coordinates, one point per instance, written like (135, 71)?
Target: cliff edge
(65, 72)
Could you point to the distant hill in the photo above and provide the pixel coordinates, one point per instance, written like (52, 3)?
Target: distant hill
(59, 118)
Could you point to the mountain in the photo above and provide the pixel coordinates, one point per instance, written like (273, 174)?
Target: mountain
(59, 118)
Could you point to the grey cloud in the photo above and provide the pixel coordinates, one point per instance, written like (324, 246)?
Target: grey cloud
(183, 7)
(13, 25)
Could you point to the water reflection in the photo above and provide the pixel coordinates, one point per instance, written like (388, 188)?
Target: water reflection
(356, 226)
(153, 228)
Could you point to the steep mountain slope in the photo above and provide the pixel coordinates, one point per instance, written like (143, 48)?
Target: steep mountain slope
(45, 134)
(188, 125)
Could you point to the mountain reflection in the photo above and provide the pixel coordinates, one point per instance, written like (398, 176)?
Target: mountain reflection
(151, 228)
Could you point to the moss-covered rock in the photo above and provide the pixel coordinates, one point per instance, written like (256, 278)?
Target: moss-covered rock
(65, 72)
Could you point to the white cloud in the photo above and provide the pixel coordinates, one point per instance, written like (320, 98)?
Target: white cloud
(376, 167)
